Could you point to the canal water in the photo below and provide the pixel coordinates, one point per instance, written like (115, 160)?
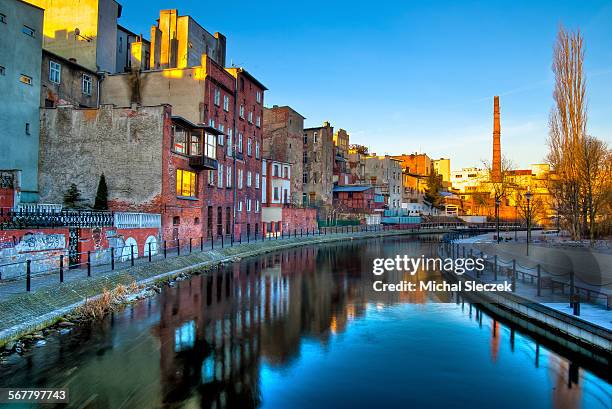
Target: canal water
(303, 328)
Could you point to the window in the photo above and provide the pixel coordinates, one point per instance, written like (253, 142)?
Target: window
(220, 176)
(211, 178)
(276, 194)
(55, 72)
(239, 142)
(242, 111)
(240, 177)
(29, 31)
(305, 157)
(258, 97)
(258, 121)
(86, 84)
(286, 172)
(222, 130)
(194, 144)
(256, 206)
(210, 145)
(120, 44)
(305, 177)
(275, 170)
(248, 205)
(229, 142)
(229, 176)
(176, 220)
(250, 117)
(25, 79)
(186, 185)
(257, 180)
(249, 147)
(226, 103)
(2, 70)
(314, 137)
(2, 18)
(240, 206)
(27, 128)
(179, 142)
(305, 139)
(211, 122)
(217, 96)
(249, 178)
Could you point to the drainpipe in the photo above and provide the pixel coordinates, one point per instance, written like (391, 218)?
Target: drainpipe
(234, 149)
(100, 79)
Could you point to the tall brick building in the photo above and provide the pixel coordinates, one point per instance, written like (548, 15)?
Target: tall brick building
(283, 131)
(318, 160)
(342, 172)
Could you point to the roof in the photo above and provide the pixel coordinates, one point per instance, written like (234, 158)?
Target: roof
(351, 188)
(185, 122)
(67, 61)
(249, 76)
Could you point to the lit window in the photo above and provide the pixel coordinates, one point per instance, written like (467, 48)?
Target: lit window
(86, 84)
(186, 185)
(226, 103)
(55, 72)
(29, 31)
(217, 97)
(25, 79)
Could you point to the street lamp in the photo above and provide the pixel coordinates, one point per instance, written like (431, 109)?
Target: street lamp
(528, 197)
(516, 222)
(497, 203)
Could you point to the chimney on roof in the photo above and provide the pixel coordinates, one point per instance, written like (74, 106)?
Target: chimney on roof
(496, 165)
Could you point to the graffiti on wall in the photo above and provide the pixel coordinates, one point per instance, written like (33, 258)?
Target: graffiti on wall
(40, 242)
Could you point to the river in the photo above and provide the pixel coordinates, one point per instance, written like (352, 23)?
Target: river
(303, 328)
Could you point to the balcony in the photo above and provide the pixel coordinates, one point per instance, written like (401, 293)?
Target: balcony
(202, 162)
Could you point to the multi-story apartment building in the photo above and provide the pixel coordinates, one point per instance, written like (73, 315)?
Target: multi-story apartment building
(84, 31)
(229, 100)
(133, 51)
(342, 172)
(318, 160)
(179, 42)
(283, 130)
(384, 173)
(442, 167)
(21, 39)
(66, 82)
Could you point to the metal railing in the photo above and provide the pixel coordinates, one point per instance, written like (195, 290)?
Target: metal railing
(12, 219)
(128, 220)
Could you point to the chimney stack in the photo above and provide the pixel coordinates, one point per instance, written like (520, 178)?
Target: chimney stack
(496, 165)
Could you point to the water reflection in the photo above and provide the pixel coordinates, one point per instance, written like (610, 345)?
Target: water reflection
(304, 328)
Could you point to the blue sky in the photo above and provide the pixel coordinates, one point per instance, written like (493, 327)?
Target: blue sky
(412, 76)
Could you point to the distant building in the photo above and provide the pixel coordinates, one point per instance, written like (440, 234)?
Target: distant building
(21, 39)
(355, 198)
(283, 130)
(385, 174)
(318, 160)
(66, 82)
(133, 51)
(179, 42)
(83, 31)
(342, 172)
(468, 180)
(442, 167)
(417, 163)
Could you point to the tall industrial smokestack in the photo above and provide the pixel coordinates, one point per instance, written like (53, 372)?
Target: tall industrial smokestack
(496, 165)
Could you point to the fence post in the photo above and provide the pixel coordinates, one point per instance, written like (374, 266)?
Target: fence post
(539, 282)
(201, 243)
(88, 263)
(165, 249)
(190, 246)
(149, 252)
(28, 275)
(132, 255)
(212, 242)
(572, 289)
(222, 244)
(513, 275)
(178, 246)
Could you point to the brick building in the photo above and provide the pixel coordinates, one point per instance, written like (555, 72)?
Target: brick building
(152, 162)
(283, 130)
(318, 160)
(342, 172)
(384, 173)
(355, 198)
(278, 215)
(418, 163)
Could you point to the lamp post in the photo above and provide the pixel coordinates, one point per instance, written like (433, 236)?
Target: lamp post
(516, 222)
(497, 203)
(528, 197)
